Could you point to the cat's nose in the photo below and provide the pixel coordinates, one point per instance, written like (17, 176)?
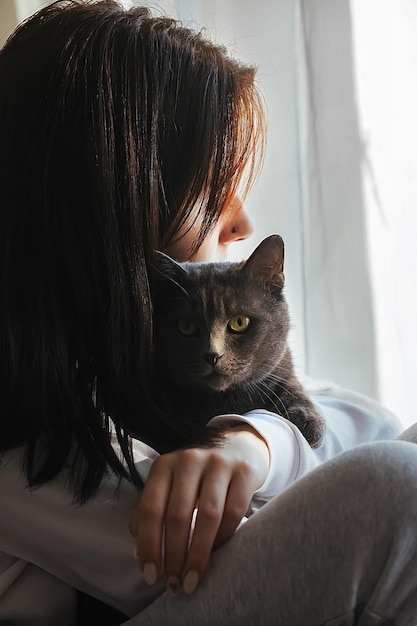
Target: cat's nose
(212, 358)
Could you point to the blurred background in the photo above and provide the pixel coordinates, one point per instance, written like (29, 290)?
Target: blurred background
(339, 183)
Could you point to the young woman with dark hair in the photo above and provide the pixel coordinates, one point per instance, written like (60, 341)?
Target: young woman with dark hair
(118, 131)
(122, 133)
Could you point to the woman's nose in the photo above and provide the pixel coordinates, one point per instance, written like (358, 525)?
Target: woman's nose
(237, 223)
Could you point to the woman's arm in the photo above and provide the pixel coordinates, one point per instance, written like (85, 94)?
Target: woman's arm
(351, 419)
(88, 547)
(218, 482)
(29, 595)
(290, 456)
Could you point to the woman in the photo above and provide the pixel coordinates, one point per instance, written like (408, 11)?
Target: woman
(121, 134)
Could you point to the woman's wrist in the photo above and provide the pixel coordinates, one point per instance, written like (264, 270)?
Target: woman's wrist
(248, 444)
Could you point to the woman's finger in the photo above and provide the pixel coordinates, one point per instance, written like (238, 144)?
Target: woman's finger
(237, 504)
(179, 513)
(147, 521)
(212, 505)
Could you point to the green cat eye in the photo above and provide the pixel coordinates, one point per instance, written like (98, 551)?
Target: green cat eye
(187, 327)
(238, 324)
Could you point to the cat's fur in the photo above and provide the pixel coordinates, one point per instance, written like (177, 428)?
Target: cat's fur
(212, 370)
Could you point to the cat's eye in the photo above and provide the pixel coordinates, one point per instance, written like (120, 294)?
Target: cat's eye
(187, 327)
(238, 323)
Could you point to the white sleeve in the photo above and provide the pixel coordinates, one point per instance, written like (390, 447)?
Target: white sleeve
(351, 419)
(290, 455)
(45, 538)
(29, 595)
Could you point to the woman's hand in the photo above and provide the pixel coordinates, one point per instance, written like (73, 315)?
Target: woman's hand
(219, 482)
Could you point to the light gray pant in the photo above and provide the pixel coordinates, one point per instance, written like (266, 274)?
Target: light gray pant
(339, 547)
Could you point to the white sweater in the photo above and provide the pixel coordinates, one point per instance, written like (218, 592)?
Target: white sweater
(48, 545)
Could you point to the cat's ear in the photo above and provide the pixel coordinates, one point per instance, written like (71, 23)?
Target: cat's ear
(266, 262)
(163, 266)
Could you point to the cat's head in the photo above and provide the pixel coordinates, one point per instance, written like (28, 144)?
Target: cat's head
(220, 324)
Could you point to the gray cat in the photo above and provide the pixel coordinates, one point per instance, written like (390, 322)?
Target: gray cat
(221, 339)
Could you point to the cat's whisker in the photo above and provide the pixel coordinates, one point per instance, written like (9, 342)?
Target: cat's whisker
(174, 282)
(251, 390)
(282, 383)
(275, 378)
(277, 396)
(266, 392)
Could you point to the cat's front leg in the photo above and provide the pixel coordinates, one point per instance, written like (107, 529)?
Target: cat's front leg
(287, 396)
(308, 421)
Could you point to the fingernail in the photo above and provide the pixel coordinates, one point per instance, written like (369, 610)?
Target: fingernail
(190, 581)
(173, 584)
(135, 552)
(149, 573)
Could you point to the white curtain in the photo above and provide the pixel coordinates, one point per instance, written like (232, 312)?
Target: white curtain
(339, 183)
(340, 178)
(385, 61)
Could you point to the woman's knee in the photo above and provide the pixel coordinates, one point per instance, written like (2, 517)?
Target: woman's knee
(340, 525)
(381, 475)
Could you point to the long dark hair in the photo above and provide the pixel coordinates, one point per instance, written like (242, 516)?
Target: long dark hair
(114, 126)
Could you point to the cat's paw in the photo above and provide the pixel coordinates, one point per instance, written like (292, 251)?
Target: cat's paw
(310, 423)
